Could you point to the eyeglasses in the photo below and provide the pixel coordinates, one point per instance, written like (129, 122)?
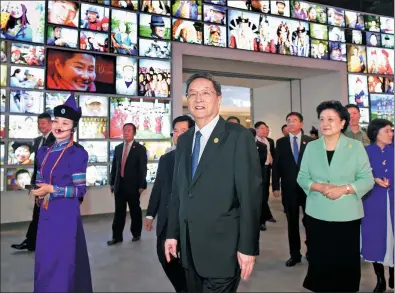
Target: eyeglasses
(205, 94)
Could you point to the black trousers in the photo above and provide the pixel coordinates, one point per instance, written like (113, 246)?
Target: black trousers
(174, 270)
(293, 212)
(196, 283)
(31, 234)
(126, 196)
(266, 214)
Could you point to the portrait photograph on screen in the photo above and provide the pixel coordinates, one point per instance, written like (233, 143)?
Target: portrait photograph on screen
(354, 20)
(280, 8)
(3, 75)
(155, 27)
(243, 29)
(372, 23)
(2, 126)
(94, 106)
(122, 110)
(319, 49)
(97, 151)
(337, 51)
(358, 90)
(18, 178)
(96, 175)
(129, 4)
(380, 61)
(308, 11)
(24, 127)
(124, 32)
(365, 117)
(55, 99)
(189, 9)
(27, 54)
(336, 17)
(186, 31)
(154, 78)
(83, 72)
(336, 34)
(355, 37)
(262, 6)
(382, 106)
(387, 25)
(92, 17)
(22, 20)
(20, 153)
(63, 12)
(152, 168)
(154, 49)
(27, 102)
(92, 128)
(214, 14)
(3, 97)
(376, 84)
(319, 31)
(356, 59)
(373, 39)
(387, 41)
(162, 7)
(126, 76)
(94, 41)
(214, 35)
(217, 2)
(27, 77)
(3, 51)
(62, 37)
(156, 149)
(389, 85)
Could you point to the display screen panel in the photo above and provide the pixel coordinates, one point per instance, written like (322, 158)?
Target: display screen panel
(23, 20)
(18, 178)
(214, 35)
(382, 107)
(126, 83)
(156, 149)
(2, 126)
(20, 153)
(2, 179)
(365, 117)
(96, 106)
(102, 2)
(94, 41)
(130, 4)
(280, 8)
(97, 151)
(218, 2)
(337, 34)
(96, 175)
(27, 54)
(262, 6)
(387, 41)
(62, 37)
(308, 11)
(380, 61)
(186, 31)
(358, 90)
(162, 7)
(319, 31)
(376, 84)
(55, 99)
(83, 72)
(336, 17)
(154, 78)
(27, 102)
(92, 128)
(214, 14)
(23, 127)
(242, 29)
(152, 169)
(2, 148)
(356, 59)
(113, 144)
(124, 32)
(373, 39)
(387, 25)
(355, 37)
(93, 16)
(27, 77)
(3, 96)
(389, 85)
(63, 13)
(155, 27)
(372, 23)
(3, 51)
(189, 9)
(3, 75)
(319, 49)
(355, 20)
(154, 49)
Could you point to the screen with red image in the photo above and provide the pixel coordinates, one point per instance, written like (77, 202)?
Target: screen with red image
(82, 72)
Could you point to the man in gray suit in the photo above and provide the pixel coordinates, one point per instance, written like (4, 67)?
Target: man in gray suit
(216, 195)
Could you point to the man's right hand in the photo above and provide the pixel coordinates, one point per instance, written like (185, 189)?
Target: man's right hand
(148, 224)
(276, 193)
(170, 248)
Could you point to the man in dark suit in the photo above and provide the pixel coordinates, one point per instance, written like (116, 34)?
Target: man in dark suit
(158, 205)
(128, 181)
(44, 123)
(289, 154)
(216, 195)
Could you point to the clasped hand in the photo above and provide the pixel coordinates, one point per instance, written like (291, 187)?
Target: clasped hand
(43, 190)
(385, 183)
(331, 191)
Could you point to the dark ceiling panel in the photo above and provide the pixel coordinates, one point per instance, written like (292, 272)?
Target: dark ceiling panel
(381, 7)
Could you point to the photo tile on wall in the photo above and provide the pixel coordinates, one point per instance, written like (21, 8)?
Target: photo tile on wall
(18, 178)
(3, 96)
(214, 35)
(154, 49)
(93, 128)
(154, 78)
(25, 54)
(3, 51)
(355, 20)
(124, 32)
(126, 76)
(26, 102)
(186, 31)
(356, 59)
(20, 153)
(62, 37)
(214, 14)
(308, 11)
(93, 17)
(336, 17)
(387, 41)
(280, 8)
(336, 34)
(319, 49)
(155, 27)
(63, 13)
(27, 77)
(96, 175)
(380, 61)
(382, 106)
(387, 25)
(218, 2)
(358, 90)
(93, 106)
(94, 41)
(130, 5)
(187, 9)
(162, 7)
(22, 126)
(97, 151)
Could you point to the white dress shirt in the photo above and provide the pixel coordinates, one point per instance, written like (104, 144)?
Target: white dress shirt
(299, 140)
(206, 132)
(266, 142)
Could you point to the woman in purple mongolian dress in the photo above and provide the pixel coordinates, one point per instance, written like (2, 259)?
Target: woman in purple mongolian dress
(378, 223)
(62, 263)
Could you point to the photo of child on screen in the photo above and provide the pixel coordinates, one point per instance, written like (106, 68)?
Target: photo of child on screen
(20, 153)
(17, 179)
(27, 54)
(63, 13)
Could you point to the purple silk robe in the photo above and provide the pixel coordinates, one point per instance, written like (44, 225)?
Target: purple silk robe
(62, 263)
(379, 209)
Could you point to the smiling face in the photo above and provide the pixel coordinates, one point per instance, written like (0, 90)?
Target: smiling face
(62, 12)
(330, 122)
(22, 153)
(23, 179)
(61, 128)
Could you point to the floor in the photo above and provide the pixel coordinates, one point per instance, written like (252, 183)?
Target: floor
(133, 267)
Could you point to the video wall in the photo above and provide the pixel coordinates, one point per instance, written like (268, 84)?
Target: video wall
(116, 56)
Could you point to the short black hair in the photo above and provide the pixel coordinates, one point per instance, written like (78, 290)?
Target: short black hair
(282, 127)
(130, 124)
(253, 131)
(208, 76)
(314, 131)
(233, 118)
(374, 127)
(44, 115)
(259, 123)
(338, 108)
(19, 172)
(184, 118)
(297, 114)
(349, 106)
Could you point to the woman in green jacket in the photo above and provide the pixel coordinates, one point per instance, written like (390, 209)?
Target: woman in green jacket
(335, 174)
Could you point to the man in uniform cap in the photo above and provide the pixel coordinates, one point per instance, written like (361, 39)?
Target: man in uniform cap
(157, 26)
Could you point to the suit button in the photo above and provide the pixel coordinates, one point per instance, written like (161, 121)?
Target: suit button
(190, 195)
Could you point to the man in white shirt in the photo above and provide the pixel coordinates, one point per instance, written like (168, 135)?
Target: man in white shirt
(216, 195)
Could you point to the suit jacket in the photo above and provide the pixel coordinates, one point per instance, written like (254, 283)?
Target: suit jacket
(350, 165)
(286, 170)
(48, 142)
(262, 152)
(135, 168)
(221, 205)
(161, 192)
(272, 148)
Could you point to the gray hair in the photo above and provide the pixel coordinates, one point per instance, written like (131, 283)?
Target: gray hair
(207, 76)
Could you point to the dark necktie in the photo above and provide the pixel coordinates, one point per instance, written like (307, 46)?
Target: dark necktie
(195, 153)
(44, 140)
(296, 149)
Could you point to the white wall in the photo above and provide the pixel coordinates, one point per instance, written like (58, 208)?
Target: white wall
(271, 104)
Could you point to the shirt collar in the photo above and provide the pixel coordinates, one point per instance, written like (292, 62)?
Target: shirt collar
(349, 130)
(46, 136)
(62, 143)
(128, 144)
(299, 136)
(208, 129)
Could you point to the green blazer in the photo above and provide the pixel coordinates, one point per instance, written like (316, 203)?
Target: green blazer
(349, 165)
